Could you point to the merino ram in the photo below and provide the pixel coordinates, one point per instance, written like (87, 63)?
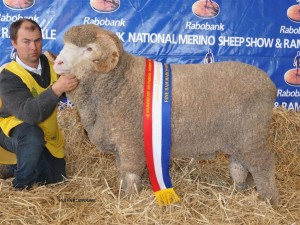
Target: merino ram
(225, 106)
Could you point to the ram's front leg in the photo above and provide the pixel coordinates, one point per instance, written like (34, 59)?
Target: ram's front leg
(131, 165)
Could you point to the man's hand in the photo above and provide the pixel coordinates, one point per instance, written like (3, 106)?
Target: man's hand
(65, 83)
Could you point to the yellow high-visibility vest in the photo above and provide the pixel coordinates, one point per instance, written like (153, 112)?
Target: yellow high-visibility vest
(53, 136)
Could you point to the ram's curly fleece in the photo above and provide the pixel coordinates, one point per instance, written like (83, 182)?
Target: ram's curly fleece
(224, 106)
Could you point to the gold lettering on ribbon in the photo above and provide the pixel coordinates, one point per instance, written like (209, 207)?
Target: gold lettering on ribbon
(148, 90)
(167, 84)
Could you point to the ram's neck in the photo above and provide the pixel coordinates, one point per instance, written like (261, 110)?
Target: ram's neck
(129, 74)
(133, 70)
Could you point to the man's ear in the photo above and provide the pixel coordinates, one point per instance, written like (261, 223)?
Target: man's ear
(112, 56)
(13, 43)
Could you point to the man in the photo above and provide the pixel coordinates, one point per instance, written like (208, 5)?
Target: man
(29, 93)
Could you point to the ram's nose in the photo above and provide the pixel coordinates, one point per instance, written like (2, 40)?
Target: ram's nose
(59, 65)
(58, 62)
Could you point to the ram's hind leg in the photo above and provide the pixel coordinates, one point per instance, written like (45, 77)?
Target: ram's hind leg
(264, 179)
(238, 173)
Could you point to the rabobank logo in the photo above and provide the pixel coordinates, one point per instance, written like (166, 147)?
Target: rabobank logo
(206, 9)
(19, 4)
(105, 6)
(292, 76)
(293, 12)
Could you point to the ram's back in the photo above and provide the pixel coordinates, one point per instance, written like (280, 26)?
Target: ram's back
(217, 106)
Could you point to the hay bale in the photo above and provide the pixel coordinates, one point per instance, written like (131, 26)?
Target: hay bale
(91, 195)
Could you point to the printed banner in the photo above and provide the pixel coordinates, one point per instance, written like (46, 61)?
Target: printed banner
(261, 33)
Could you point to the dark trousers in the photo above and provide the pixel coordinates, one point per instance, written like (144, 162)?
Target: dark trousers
(35, 164)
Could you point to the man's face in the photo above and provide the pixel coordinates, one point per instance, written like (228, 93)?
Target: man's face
(28, 44)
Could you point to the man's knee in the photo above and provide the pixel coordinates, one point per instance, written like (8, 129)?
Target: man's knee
(31, 134)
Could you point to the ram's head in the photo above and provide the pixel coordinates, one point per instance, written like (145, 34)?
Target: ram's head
(91, 47)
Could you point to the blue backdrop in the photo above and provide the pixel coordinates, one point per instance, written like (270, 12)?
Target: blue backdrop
(262, 33)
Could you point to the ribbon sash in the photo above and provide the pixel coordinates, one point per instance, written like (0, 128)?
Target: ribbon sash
(157, 129)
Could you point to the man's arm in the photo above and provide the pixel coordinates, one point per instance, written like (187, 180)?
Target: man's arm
(17, 100)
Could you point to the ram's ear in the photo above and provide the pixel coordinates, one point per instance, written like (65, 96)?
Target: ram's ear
(111, 55)
(50, 56)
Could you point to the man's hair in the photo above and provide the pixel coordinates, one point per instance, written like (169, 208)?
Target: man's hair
(15, 26)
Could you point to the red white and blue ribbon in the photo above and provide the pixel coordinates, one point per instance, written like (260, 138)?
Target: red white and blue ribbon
(157, 129)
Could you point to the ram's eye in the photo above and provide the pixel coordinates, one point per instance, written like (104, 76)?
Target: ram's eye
(89, 49)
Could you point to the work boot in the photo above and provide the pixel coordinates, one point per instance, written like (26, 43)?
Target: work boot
(6, 171)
